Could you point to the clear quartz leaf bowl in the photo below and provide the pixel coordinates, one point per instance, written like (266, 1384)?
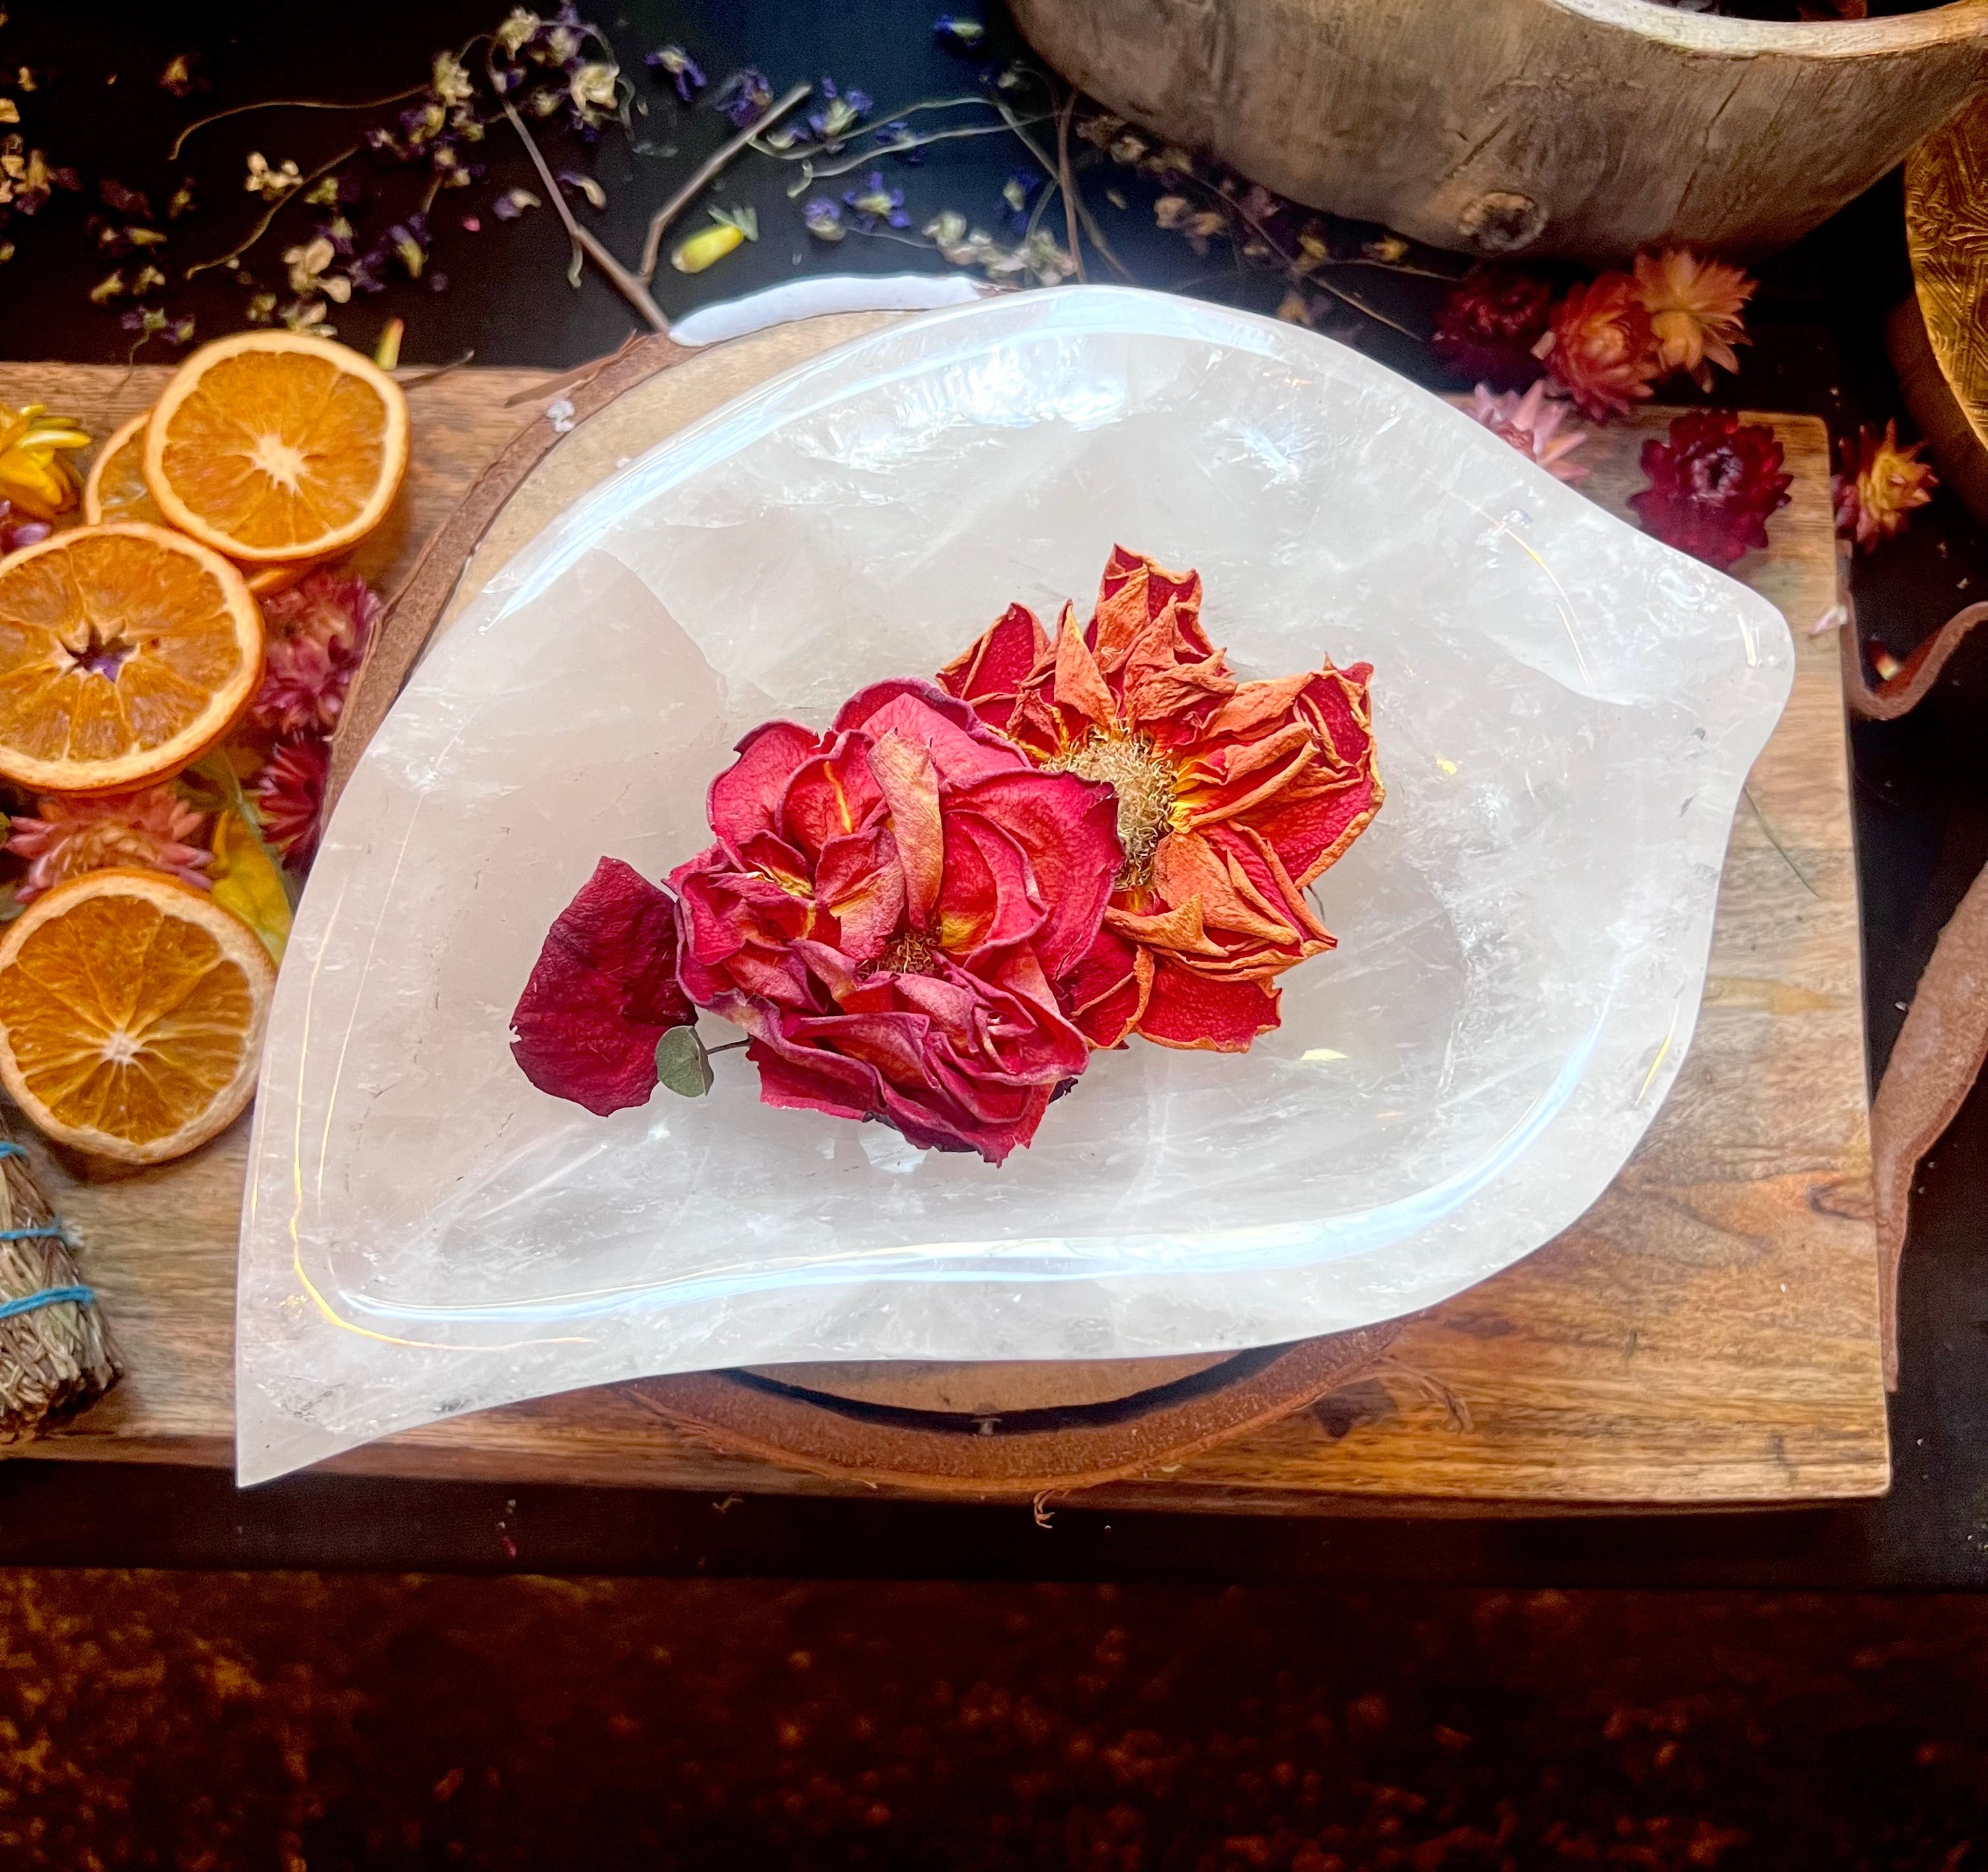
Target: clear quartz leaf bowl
(1565, 712)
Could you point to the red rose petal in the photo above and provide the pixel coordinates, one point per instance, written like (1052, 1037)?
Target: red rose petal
(1105, 995)
(603, 992)
(1187, 1010)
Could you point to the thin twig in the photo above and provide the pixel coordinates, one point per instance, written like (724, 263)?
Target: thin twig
(440, 371)
(287, 103)
(869, 159)
(634, 291)
(1088, 220)
(270, 214)
(800, 152)
(701, 177)
(1069, 185)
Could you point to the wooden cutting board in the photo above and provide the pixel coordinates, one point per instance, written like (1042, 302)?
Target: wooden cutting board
(1707, 1333)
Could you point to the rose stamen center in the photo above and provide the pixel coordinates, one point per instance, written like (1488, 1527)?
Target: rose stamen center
(1143, 779)
(908, 953)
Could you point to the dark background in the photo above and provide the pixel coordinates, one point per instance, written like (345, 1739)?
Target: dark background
(1348, 1706)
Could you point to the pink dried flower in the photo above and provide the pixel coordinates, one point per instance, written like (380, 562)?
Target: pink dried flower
(1533, 427)
(317, 634)
(290, 795)
(153, 830)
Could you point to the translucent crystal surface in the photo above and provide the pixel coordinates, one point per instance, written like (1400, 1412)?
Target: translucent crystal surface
(1565, 709)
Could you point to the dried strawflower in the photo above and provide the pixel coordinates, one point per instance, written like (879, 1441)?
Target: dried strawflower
(1712, 485)
(38, 472)
(1696, 308)
(1883, 480)
(1487, 326)
(289, 797)
(154, 829)
(1533, 426)
(1232, 797)
(1599, 347)
(317, 632)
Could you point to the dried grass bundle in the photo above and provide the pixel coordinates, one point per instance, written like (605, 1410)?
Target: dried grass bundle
(55, 1353)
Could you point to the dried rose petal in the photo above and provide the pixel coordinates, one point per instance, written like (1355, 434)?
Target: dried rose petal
(1232, 797)
(886, 911)
(604, 991)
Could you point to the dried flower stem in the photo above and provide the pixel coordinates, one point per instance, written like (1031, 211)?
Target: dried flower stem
(290, 103)
(702, 175)
(1085, 215)
(1068, 186)
(634, 291)
(270, 215)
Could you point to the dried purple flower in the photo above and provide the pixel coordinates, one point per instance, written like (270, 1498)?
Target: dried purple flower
(680, 66)
(957, 33)
(25, 531)
(897, 138)
(823, 218)
(513, 202)
(743, 96)
(874, 202)
(122, 201)
(840, 113)
(1017, 193)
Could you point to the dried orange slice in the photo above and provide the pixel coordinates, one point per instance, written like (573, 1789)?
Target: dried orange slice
(125, 652)
(115, 491)
(131, 1015)
(270, 446)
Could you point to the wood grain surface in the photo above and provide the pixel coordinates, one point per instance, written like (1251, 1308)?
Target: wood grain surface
(1708, 1332)
(1587, 129)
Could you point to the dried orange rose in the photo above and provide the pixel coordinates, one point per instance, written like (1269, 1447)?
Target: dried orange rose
(1232, 797)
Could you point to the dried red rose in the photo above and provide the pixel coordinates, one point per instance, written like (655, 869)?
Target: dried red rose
(603, 991)
(1601, 349)
(1712, 485)
(1487, 327)
(1231, 797)
(885, 910)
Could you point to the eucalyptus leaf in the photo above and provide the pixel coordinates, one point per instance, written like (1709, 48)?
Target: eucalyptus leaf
(682, 1064)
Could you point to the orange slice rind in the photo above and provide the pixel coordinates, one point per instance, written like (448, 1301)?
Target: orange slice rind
(132, 1009)
(272, 446)
(117, 491)
(125, 652)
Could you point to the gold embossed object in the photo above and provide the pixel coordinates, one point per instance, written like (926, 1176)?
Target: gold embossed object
(1938, 339)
